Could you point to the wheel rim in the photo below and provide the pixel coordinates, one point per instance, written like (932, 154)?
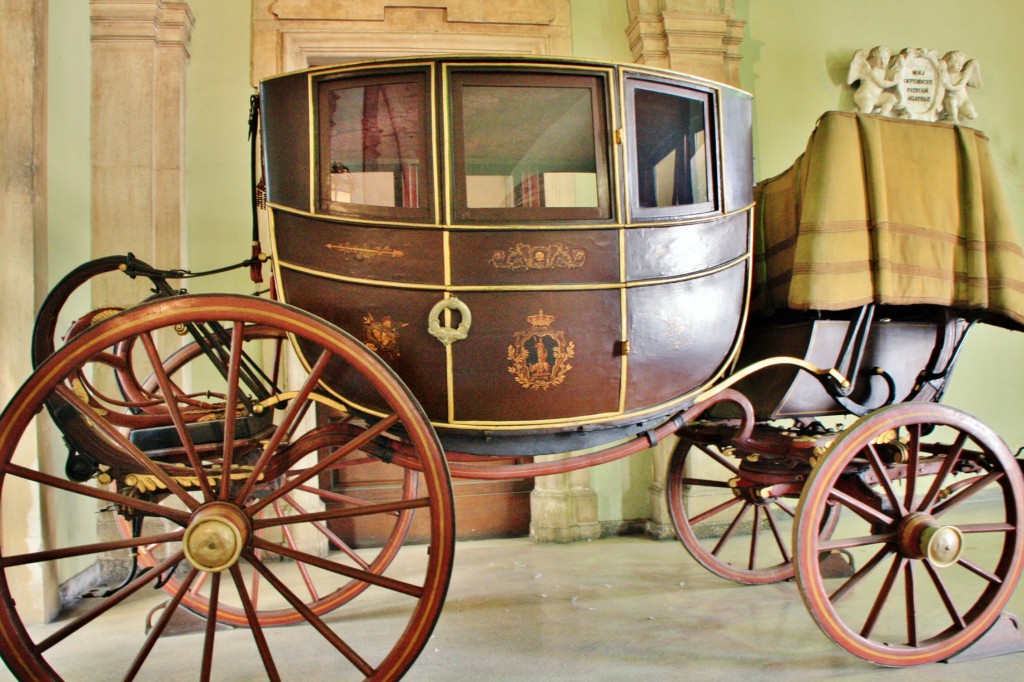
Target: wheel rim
(936, 505)
(255, 521)
(733, 527)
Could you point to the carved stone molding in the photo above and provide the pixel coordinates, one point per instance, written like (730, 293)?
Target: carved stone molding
(915, 84)
(699, 37)
(168, 24)
(294, 34)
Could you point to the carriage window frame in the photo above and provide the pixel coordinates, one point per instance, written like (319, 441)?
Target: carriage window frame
(706, 99)
(597, 83)
(325, 86)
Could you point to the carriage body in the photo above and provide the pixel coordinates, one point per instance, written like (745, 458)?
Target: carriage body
(593, 219)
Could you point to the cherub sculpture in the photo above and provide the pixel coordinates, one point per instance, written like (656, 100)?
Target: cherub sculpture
(957, 74)
(875, 76)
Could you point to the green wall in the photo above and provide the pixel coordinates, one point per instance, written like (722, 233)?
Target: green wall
(217, 148)
(795, 56)
(68, 179)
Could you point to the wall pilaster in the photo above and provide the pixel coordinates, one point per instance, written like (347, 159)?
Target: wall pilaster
(699, 37)
(23, 232)
(139, 57)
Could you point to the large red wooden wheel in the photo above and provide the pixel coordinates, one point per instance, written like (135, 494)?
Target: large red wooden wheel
(933, 505)
(262, 546)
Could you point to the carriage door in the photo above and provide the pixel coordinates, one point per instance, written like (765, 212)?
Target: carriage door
(534, 253)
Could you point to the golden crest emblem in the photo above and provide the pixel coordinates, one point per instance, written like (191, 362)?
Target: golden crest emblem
(540, 355)
(381, 336)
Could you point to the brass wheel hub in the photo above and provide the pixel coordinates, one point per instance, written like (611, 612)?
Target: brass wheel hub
(920, 536)
(215, 537)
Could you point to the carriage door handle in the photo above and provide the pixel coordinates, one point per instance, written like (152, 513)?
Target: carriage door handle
(449, 335)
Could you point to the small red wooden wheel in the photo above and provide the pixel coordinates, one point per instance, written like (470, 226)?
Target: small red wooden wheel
(734, 515)
(933, 504)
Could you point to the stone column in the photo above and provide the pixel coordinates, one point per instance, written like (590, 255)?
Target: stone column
(699, 37)
(23, 281)
(139, 56)
(702, 38)
(659, 522)
(563, 508)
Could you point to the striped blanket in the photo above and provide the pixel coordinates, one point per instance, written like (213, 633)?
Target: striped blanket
(892, 212)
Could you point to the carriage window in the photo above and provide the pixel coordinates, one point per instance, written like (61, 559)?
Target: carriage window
(671, 149)
(529, 146)
(373, 146)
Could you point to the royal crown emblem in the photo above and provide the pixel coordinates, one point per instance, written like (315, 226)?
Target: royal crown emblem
(539, 355)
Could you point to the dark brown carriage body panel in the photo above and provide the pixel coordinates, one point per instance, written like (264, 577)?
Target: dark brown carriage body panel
(600, 302)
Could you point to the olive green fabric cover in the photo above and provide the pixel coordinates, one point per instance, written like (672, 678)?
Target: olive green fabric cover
(892, 212)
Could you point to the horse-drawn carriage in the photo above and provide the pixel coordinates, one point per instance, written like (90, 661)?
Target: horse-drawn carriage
(478, 261)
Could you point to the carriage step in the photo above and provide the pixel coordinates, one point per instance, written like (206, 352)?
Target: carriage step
(182, 622)
(836, 564)
(1004, 637)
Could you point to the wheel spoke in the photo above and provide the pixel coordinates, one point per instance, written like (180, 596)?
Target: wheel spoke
(754, 533)
(913, 456)
(979, 571)
(291, 543)
(231, 408)
(294, 411)
(331, 514)
(108, 603)
(884, 480)
(950, 461)
(171, 402)
(335, 497)
(860, 541)
(161, 624)
(944, 595)
(254, 625)
(908, 579)
(977, 484)
(94, 548)
(783, 548)
(341, 452)
(703, 516)
(995, 527)
(720, 458)
(731, 529)
(330, 535)
(883, 596)
(341, 569)
(163, 511)
(786, 508)
(869, 514)
(852, 581)
(311, 618)
(705, 483)
(211, 629)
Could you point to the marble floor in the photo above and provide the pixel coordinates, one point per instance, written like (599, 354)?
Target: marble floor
(612, 609)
